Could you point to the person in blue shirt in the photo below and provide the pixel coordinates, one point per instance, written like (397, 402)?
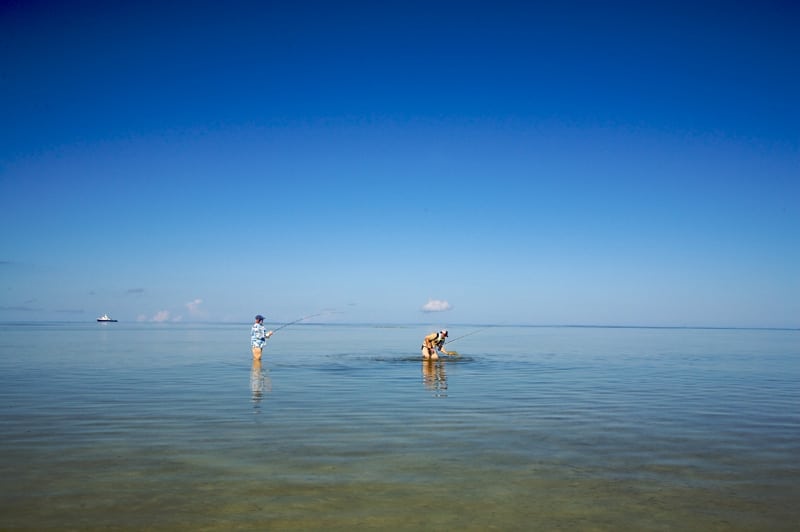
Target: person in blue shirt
(258, 337)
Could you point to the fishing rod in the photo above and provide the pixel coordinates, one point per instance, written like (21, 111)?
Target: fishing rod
(299, 320)
(468, 334)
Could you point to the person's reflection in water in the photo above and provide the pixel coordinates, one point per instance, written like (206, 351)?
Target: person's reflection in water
(259, 383)
(434, 378)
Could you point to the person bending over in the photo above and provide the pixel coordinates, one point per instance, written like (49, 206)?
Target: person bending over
(433, 344)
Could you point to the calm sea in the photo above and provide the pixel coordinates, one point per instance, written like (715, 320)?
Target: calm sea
(171, 427)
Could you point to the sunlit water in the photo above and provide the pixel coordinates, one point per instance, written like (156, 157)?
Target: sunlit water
(150, 426)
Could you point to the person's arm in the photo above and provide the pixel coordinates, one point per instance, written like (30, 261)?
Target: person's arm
(443, 349)
(269, 334)
(265, 333)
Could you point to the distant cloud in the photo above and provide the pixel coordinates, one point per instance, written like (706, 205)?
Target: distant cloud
(194, 307)
(135, 291)
(22, 308)
(436, 305)
(161, 315)
(30, 305)
(16, 265)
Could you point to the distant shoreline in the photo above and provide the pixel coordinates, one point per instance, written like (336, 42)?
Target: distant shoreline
(426, 324)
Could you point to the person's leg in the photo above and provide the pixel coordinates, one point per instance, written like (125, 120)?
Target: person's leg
(429, 354)
(256, 353)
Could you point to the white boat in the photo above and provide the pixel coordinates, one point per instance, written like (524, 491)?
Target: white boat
(105, 317)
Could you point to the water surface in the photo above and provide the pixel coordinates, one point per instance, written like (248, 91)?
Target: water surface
(171, 426)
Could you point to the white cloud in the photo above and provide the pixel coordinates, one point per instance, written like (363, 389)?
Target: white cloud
(194, 307)
(436, 305)
(161, 315)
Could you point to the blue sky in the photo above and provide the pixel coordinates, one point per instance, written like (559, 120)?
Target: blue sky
(614, 163)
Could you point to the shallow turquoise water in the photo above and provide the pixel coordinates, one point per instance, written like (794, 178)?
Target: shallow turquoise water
(153, 426)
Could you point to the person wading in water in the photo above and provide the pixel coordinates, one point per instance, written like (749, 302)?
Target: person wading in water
(258, 337)
(434, 343)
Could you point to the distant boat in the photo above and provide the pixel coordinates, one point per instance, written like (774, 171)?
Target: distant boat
(105, 317)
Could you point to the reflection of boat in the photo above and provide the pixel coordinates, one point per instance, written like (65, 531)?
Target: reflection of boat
(105, 317)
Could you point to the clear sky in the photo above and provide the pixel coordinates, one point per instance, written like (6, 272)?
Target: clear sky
(469, 162)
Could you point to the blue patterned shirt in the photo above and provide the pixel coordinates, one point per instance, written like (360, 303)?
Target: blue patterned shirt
(258, 335)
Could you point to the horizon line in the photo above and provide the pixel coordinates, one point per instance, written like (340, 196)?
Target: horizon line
(418, 324)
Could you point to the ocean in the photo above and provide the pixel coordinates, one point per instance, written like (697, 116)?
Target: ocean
(147, 426)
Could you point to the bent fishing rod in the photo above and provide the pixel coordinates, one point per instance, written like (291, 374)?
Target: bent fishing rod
(468, 334)
(299, 320)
